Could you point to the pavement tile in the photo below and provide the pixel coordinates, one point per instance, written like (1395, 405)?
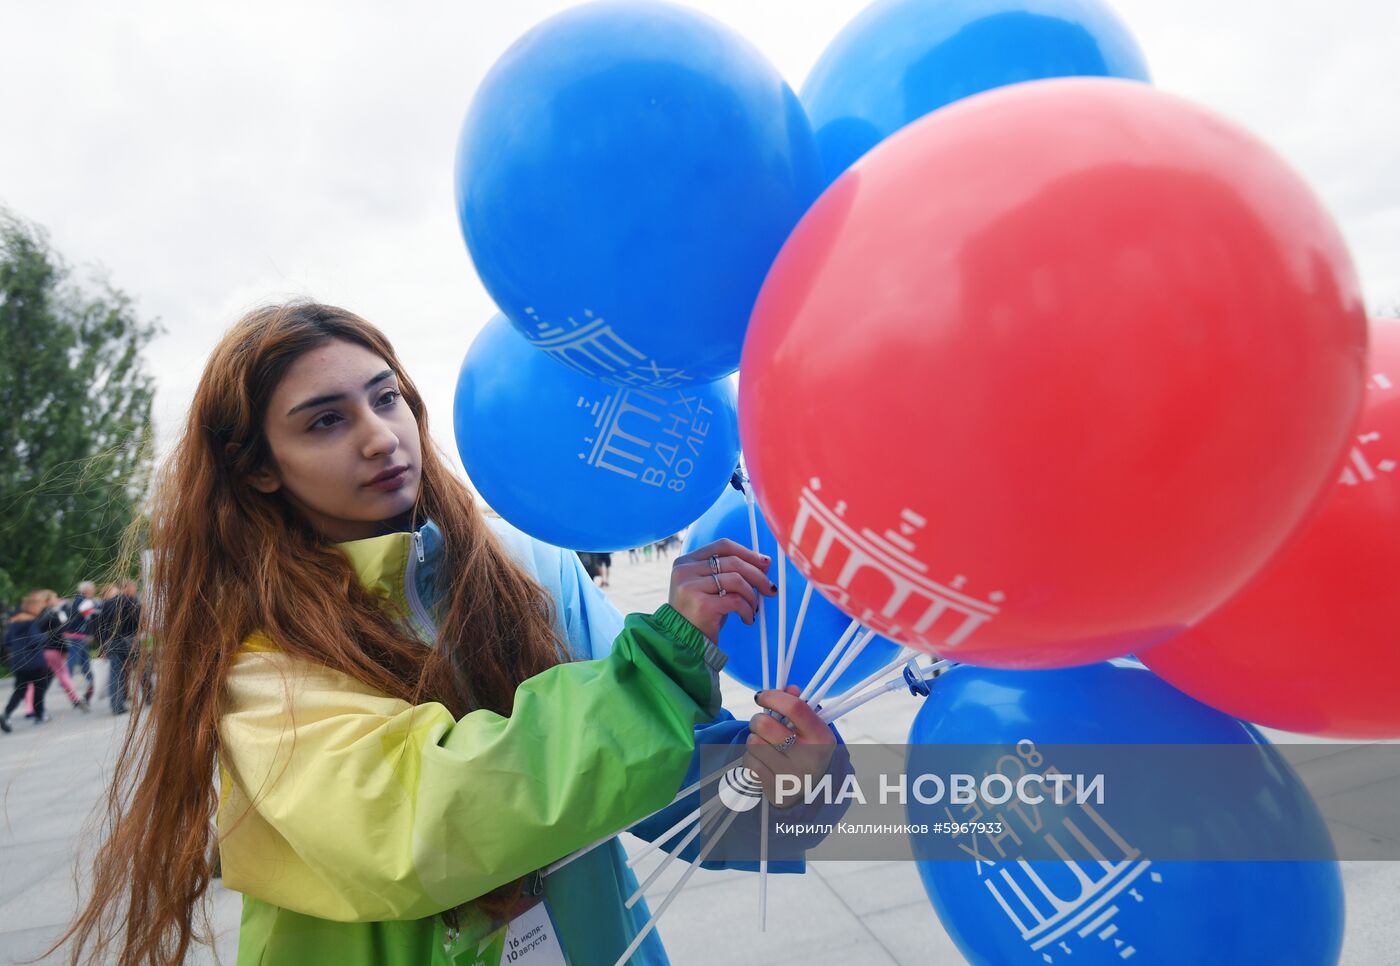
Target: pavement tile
(913, 936)
(23, 945)
(1347, 768)
(1373, 808)
(1373, 914)
(50, 901)
(805, 921)
(887, 885)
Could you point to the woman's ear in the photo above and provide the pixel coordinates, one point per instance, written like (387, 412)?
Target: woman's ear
(264, 481)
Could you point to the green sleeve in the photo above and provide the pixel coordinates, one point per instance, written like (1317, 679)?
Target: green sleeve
(345, 804)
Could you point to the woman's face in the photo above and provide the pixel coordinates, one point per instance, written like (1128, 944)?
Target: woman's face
(336, 426)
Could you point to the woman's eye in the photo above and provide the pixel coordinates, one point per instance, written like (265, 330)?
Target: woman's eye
(321, 422)
(390, 395)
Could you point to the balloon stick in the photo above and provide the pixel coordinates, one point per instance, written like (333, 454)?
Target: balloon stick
(906, 654)
(782, 616)
(695, 814)
(851, 654)
(763, 870)
(849, 704)
(689, 789)
(835, 652)
(786, 666)
(762, 626)
(676, 889)
(707, 818)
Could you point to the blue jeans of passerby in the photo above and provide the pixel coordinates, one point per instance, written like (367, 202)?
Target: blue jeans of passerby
(79, 659)
(118, 653)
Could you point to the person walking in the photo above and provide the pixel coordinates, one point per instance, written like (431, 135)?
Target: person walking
(78, 634)
(51, 623)
(117, 625)
(24, 640)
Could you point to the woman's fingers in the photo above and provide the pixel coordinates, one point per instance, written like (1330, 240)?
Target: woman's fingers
(770, 729)
(809, 727)
(726, 548)
(732, 584)
(699, 601)
(754, 576)
(766, 776)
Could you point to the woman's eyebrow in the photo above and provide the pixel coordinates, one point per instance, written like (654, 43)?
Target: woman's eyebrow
(336, 397)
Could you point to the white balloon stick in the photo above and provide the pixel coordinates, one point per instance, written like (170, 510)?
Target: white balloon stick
(689, 789)
(782, 616)
(786, 668)
(905, 654)
(850, 703)
(835, 652)
(762, 625)
(706, 819)
(656, 843)
(676, 889)
(763, 870)
(851, 654)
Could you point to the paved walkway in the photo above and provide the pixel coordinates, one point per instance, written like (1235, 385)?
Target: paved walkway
(871, 913)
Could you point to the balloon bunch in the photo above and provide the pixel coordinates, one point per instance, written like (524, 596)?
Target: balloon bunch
(1039, 366)
(625, 175)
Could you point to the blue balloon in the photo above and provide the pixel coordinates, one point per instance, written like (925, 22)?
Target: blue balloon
(585, 465)
(900, 59)
(821, 628)
(625, 176)
(1099, 912)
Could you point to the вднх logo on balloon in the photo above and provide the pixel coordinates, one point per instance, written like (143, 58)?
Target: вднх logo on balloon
(592, 348)
(661, 441)
(917, 611)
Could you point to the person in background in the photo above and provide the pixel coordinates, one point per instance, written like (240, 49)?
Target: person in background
(78, 634)
(52, 623)
(116, 635)
(25, 643)
(590, 563)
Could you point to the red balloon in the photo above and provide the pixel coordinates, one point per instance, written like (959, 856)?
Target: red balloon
(1050, 373)
(1312, 643)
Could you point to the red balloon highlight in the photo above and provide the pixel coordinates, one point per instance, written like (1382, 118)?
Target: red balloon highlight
(1312, 643)
(1050, 373)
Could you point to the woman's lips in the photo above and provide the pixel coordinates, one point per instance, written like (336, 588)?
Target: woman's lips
(391, 482)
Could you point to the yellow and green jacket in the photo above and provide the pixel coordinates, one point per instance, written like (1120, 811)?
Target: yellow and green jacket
(349, 820)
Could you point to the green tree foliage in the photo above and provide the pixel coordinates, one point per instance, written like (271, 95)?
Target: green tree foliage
(75, 417)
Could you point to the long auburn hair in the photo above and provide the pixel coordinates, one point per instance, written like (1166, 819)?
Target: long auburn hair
(227, 561)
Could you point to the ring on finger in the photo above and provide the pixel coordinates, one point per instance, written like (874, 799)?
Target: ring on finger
(719, 585)
(788, 742)
(714, 564)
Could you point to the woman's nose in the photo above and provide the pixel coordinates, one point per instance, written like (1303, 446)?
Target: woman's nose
(380, 439)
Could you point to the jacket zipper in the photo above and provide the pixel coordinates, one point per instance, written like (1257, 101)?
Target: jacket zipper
(417, 611)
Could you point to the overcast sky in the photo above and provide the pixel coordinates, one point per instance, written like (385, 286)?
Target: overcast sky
(213, 156)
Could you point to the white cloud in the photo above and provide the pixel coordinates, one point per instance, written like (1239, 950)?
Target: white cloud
(216, 155)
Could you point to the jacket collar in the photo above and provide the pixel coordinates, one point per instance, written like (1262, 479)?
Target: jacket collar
(385, 564)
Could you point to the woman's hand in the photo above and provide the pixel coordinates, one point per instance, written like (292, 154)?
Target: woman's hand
(801, 748)
(719, 579)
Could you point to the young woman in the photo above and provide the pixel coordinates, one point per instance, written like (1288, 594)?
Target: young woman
(411, 711)
(24, 643)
